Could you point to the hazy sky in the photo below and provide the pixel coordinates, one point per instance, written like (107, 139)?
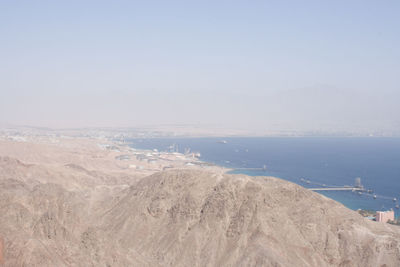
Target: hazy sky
(248, 64)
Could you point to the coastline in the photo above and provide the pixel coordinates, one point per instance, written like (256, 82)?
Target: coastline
(99, 154)
(315, 168)
(105, 155)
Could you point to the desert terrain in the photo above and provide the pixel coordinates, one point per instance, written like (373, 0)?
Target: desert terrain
(90, 202)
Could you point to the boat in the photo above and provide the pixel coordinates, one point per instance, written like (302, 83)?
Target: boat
(359, 193)
(222, 142)
(374, 196)
(397, 206)
(394, 199)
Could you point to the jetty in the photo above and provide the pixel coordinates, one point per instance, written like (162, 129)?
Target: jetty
(337, 189)
(264, 168)
(323, 187)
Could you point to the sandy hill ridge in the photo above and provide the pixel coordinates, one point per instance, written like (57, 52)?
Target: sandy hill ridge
(70, 213)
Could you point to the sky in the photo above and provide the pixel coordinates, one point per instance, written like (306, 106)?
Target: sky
(256, 65)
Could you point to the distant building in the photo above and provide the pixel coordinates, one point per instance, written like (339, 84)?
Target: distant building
(384, 216)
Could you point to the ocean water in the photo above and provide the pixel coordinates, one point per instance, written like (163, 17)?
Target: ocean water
(329, 161)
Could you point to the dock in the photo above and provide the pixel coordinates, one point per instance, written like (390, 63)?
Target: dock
(357, 187)
(264, 168)
(250, 169)
(337, 189)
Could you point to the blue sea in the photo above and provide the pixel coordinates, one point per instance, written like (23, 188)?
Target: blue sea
(322, 161)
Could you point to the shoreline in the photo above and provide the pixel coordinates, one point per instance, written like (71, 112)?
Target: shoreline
(348, 199)
(122, 157)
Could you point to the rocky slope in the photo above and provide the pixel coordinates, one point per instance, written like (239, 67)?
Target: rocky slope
(179, 218)
(66, 215)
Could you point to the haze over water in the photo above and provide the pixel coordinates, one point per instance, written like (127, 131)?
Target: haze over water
(330, 161)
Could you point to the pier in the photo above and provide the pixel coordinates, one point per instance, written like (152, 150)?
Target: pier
(357, 187)
(264, 168)
(250, 169)
(337, 189)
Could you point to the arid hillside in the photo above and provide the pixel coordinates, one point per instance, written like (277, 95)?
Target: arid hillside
(75, 206)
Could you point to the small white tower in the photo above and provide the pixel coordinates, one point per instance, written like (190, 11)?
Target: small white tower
(357, 182)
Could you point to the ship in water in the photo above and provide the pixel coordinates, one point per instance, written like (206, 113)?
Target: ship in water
(222, 142)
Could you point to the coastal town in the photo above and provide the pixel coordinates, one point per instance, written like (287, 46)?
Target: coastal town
(154, 160)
